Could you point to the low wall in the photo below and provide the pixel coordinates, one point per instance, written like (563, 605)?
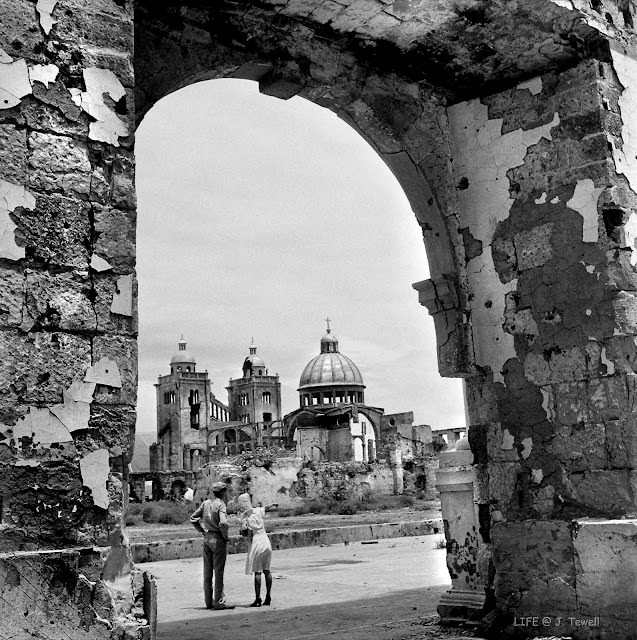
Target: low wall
(191, 547)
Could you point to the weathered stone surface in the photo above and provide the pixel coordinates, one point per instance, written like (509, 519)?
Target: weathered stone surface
(58, 164)
(116, 238)
(56, 232)
(37, 367)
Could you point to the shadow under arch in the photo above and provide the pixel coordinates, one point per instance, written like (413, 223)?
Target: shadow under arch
(407, 130)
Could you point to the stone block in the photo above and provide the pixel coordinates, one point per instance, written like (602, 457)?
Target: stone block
(116, 238)
(87, 27)
(580, 446)
(502, 484)
(12, 287)
(59, 302)
(56, 231)
(571, 403)
(609, 398)
(19, 32)
(606, 562)
(114, 427)
(38, 367)
(106, 287)
(534, 559)
(621, 443)
(13, 154)
(59, 164)
(604, 491)
(54, 118)
(533, 247)
(501, 444)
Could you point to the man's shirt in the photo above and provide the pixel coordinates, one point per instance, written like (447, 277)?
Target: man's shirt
(211, 517)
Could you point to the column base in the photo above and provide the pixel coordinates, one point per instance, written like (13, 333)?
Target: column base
(458, 606)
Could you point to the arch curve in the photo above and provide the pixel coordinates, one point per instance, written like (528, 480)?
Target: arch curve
(392, 114)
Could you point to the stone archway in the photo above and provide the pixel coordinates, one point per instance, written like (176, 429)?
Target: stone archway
(528, 214)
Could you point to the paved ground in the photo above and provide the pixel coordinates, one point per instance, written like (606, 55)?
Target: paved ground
(386, 591)
(150, 533)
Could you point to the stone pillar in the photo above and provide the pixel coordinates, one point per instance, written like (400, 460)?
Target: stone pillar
(548, 212)
(395, 455)
(455, 482)
(68, 329)
(186, 461)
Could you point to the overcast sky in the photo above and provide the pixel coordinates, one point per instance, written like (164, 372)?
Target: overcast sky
(260, 217)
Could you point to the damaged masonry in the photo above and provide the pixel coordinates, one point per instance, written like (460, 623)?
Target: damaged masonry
(518, 153)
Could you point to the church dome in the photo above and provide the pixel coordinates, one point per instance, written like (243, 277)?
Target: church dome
(253, 364)
(182, 355)
(330, 368)
(255, 361)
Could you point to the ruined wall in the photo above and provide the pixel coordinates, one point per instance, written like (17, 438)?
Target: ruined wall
(67, 308)
(288, 482)
(546, 211)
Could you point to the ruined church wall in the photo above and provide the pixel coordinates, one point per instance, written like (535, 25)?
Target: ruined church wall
(67, 317)
(547, 213)
(288, 483)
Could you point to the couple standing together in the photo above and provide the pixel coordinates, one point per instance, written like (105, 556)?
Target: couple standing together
(211, 519)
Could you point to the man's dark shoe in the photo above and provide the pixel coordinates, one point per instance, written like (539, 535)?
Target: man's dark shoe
(221, 605)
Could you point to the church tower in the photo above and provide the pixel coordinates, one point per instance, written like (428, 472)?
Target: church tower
(255, 399)
(183, 412)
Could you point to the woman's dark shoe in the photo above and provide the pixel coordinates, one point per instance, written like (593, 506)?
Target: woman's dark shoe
(257, 603)
(267, 601)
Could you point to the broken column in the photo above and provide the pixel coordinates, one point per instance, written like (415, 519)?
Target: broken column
(464, 602)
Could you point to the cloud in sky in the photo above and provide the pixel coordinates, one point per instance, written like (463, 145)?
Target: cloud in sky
(260, 217)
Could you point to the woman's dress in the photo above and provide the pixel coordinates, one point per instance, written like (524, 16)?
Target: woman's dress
(260, 551)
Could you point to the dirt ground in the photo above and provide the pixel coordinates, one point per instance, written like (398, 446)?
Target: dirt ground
(153, 532)
(388, 590)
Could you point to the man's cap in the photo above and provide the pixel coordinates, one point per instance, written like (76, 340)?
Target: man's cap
(219, 486)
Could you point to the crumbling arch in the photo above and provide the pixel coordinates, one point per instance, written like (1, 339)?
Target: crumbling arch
(385, 110)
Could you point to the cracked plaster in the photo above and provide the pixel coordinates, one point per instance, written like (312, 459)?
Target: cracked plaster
(42, 426)
(483, 155)
(626, 157)
(99, 264)
(44, 73)
(108, 126)
(122, 303)
(12, 196)
(45, 10)
(534, 86)
(106, 372)
(584, 201)
(14, 82)
(95, 470)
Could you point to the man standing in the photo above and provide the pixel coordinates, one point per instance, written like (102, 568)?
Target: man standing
(211, 520)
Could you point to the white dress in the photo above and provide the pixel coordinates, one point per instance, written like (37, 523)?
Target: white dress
(260, 551)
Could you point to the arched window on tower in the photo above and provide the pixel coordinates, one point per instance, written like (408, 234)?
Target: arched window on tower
(266, 397)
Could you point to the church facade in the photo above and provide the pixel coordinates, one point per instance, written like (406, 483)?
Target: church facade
(195, 427)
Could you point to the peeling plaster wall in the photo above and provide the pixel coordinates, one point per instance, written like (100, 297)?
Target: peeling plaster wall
(550, 271)
(67, 317)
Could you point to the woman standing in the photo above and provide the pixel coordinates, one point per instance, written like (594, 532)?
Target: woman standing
(260, 549)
